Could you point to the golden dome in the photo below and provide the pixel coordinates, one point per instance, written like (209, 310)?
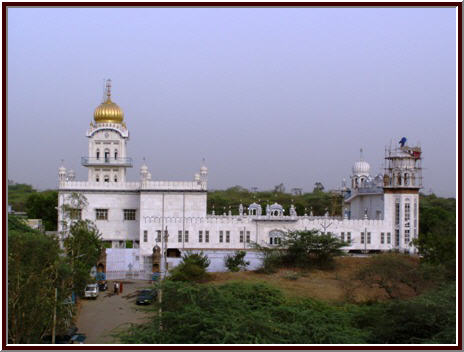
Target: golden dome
(108, 111)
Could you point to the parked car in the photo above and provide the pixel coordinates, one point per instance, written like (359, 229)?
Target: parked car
(78, 338)
(91, 291)
(63, 338)
(102, 285)
(146, 296)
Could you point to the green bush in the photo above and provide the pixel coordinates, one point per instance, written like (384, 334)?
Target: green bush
(241, 313)
(192, 268)
(247, 313)
(236, 262)
(428, 319)
(304, 249)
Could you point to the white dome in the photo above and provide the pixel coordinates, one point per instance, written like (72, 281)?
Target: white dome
(276, 206)
(62, 170)
(144, 168)
(203, 169)
(361, 167)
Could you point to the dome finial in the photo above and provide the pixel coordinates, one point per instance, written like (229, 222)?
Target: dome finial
(361, 153)
(108, 89)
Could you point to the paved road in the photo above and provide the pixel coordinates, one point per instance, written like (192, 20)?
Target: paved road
(99, 318)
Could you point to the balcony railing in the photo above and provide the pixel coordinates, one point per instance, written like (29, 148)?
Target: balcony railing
(90, 161)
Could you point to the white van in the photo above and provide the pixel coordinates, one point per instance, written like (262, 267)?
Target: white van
(91, 291)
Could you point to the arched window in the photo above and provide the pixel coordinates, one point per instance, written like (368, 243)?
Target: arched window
(406, 179)
(399, 179)
(97, 178)
(106, 178)
(275, 237)
(115, 154)
(115, 178)
(98, 154)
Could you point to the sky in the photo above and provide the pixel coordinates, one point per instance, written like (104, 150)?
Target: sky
(265, 95)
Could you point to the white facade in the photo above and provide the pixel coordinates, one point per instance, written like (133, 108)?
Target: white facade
(133, 214)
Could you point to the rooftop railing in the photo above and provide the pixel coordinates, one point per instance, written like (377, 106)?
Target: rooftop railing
(106, 161)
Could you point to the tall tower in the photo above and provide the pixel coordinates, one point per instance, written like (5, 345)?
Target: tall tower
(401, 183)
(107, 160)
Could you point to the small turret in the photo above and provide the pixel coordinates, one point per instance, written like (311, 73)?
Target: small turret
(144, 172)
(360, 174)
(62, 173)
(71, 175)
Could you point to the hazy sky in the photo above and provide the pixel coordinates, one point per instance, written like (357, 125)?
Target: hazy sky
(265, 95)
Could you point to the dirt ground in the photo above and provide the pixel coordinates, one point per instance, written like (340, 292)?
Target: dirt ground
(99, 318)
(336, 285)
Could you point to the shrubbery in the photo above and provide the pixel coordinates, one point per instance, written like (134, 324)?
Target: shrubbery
(429, 318)
(242, 313)
(304, 249)
(192, 268)
(236, 262)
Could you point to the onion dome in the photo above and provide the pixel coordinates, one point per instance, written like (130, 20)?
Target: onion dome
(361, 167)
(108, 111)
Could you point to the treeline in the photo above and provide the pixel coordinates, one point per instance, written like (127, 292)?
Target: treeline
(437, 231)
(38, 268)
(318, 201)
(37, 205)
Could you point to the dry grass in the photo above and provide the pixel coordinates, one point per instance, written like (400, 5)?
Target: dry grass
(335, 285)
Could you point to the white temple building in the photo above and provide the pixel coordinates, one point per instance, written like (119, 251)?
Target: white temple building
(380, 213)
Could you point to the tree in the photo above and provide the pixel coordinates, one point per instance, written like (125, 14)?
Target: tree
(391, 272)
(437, 231)
(43, 205)
(236, 262)
(317, 202)
(81, 240)
(35, 269)
(192, 268)
(18, 194)
(318, 187)
(311, 248)
(83, 246)
(303, 249)
(279, 188)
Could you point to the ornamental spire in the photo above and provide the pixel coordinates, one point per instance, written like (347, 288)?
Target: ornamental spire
(108, 90)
